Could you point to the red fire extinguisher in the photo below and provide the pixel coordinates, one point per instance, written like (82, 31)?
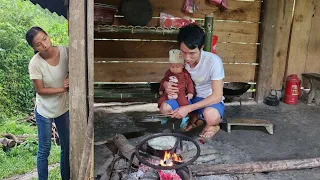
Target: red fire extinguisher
(292, 90)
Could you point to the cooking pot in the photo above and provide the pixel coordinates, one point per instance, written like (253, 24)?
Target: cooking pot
(235, 88)
(137, 12)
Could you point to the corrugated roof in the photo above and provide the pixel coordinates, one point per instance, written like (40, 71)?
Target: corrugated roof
(56, 6)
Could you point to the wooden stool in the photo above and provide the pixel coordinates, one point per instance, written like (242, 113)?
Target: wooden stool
(250, 122)
(314, 93)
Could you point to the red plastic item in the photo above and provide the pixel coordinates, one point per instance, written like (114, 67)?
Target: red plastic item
(220, 3)
(292, 91)
(202, 141)
(190, 6)
(169, 21)
(214, 44)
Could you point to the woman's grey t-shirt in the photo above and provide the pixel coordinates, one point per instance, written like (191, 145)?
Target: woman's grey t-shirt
(54, 105)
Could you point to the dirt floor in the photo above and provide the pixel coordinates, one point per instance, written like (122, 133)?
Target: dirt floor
(296, 132)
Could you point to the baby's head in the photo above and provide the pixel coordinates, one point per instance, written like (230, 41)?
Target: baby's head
(176, 61)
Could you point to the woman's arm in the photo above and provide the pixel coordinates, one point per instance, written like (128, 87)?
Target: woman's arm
(38, 84)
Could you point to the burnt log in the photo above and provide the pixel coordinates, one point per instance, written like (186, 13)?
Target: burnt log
(125, 148)
(254, 167)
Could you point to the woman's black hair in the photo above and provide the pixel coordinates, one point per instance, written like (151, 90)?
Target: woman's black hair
(192, 36)
(32, 32)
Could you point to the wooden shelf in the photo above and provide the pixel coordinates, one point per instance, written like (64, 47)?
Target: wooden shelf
(135, 29)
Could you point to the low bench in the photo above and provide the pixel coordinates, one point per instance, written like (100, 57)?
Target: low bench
(314, 93)
(250, 122)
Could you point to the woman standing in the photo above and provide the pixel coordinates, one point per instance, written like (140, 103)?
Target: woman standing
(48, 71)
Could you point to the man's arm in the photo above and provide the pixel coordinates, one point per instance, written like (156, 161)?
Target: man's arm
(215, 97)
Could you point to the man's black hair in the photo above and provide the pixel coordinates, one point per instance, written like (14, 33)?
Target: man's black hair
(192, 36)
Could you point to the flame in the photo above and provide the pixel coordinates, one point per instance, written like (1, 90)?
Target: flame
(168, 159)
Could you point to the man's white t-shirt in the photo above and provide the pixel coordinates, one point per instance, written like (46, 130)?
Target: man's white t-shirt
(210, 67)
(54, 105)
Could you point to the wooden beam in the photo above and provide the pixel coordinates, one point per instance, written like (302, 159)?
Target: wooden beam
(237, 10)
(254, 167)
(283, 29)
(153, 72)
(90, 51)
(266, 49)
(78, 80)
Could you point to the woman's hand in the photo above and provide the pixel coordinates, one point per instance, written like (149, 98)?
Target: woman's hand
(181, 112)
(66, 84)
(170, 88)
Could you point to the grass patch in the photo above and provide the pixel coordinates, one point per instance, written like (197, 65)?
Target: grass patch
(54, 174)
(22, 158)
(17, 127)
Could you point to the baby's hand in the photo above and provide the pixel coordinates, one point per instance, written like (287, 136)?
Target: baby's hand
(190, 96)
(160, 92)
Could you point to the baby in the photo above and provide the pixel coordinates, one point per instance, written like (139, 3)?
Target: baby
(180, 76)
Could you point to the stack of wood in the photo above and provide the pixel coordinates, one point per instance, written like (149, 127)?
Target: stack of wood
(32, 119)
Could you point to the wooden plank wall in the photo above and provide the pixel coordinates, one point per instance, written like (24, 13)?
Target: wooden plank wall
(283, 30)
(304, 52)
(124, 60)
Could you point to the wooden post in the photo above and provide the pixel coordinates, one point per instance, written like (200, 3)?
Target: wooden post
(90, 54)
(208, 25)
(281, 47)
(266, 48)
(81, 83)
(300, 35)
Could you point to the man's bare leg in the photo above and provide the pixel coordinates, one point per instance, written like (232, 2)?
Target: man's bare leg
(165, 108)
(213, 119)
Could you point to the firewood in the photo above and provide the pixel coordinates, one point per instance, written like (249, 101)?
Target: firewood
(125, 148)
(104, 168)
(11, 136)
(7, 143)
(254, 167)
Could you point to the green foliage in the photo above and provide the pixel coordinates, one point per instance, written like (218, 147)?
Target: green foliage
(54, 174)
(16, 17)
(16, 90)
(22, 158)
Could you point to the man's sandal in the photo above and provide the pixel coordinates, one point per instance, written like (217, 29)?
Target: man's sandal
(196, 124)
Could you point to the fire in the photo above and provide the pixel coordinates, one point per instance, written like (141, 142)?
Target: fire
(168, 159)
